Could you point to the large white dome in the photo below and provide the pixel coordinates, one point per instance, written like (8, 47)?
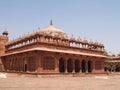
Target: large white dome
(54, 31)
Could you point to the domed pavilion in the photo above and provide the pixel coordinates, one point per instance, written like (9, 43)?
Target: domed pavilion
(51, 51)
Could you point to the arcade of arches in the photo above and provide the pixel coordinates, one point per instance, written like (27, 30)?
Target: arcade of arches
(48, 62)
(75, 66)
(112, 64)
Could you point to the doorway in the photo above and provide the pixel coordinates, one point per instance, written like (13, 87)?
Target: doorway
(89, 66)
(69, 65)
(77, 66)
(83, 66)
(61, 65)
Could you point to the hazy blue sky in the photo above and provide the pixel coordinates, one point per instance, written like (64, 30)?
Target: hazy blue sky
(94, 19)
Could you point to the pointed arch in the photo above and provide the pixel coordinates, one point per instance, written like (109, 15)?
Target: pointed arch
(77, 65)
(83, 66)
(69, 65)
(61, 65)
(89, 66)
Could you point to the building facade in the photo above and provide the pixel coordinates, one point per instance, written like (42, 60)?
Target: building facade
(49, 50)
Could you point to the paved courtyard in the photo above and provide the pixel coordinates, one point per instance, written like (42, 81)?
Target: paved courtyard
(88, 82)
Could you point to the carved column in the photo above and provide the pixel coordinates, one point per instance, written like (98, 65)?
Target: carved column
(102, 63)
(80, 63)
(66, 66)
(57, 65)
(86, 66)
(73, 66)
(37, 62)
(93, 66)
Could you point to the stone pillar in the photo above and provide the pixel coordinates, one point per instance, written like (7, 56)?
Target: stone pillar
(56, 65)
(15, 64)
(8, 65)
(80, 63)
(40, 69)
(19, 63)
(26, 63)
(102, 65)
(86, 66)
(20, 59)
(22, 64)
(66, 66)
(36, 61)
(73, 66)
(93, 66)
(113, 67)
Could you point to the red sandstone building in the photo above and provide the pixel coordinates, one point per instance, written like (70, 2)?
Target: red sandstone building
(51, 51)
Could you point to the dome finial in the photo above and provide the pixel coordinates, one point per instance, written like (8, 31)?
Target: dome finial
(51, 22)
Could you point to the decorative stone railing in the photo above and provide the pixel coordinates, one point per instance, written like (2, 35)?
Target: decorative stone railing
(39, 38)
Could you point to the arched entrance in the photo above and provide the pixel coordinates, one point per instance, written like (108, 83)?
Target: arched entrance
(89, 66)
(83, 66)
(61, 65)
(77, 66)
(25, 67)
(69, 65)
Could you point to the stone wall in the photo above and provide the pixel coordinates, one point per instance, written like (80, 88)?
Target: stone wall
(3, 41)
(52, 62)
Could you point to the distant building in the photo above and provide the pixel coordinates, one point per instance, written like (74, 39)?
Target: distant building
(112, 64)
(51, 51)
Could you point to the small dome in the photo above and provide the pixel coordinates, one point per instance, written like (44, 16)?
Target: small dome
(91, 42)
(54, 31)
(100, 44)
(72, 38)
(5, 32)
(85, 41)
(39, 32)
(96, 43)
(65, 38)
(79, 40)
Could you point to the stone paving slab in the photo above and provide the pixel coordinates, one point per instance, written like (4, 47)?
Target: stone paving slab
(91, 82)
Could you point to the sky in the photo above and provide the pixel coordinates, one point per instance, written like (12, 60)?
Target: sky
(97, 20)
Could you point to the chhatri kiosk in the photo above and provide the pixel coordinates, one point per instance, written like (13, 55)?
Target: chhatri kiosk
(49, 50)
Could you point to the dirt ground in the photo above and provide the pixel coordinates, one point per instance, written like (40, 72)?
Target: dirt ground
(87, 82)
